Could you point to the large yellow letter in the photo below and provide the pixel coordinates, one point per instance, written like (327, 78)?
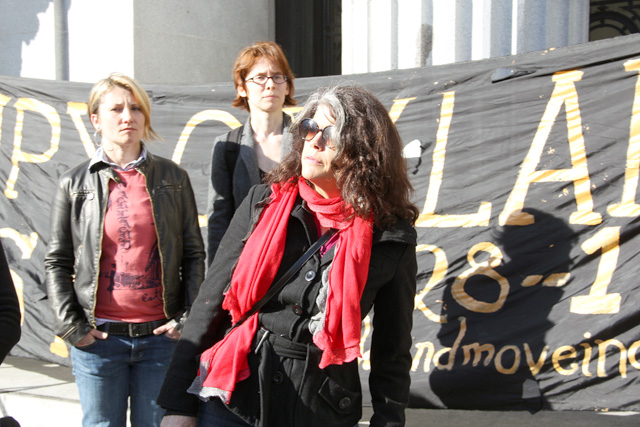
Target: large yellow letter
(76, 110)
(428, 217)
(398, 107)
(439, 273)
(26, 244)
(483, 268)
(599, 301)
(564, 93)
(628, 206)
(194, 121)
(18, 155)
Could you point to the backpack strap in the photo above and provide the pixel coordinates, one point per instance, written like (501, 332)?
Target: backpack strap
(231, 149)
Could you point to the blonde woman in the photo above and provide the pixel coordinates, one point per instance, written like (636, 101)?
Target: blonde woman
(124, 262)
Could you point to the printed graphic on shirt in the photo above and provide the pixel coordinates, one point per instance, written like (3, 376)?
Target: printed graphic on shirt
(122, 213)
(127, 278)
(130, 269)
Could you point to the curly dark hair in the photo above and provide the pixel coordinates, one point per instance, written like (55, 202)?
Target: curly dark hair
(369, 167)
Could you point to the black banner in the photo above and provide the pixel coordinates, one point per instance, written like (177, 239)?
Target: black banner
(526, 172)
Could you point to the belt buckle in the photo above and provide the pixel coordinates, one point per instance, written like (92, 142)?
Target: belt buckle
(135, 330)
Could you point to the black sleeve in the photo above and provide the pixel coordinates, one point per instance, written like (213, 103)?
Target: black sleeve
(70, 322)
(9, 309)
(389, 379)
(208, 321)
(192, 269)
(220, 204)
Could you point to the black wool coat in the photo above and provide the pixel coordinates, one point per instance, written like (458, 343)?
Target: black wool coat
(286, 386)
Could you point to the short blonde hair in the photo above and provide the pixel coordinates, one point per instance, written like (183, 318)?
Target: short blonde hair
(117, 79)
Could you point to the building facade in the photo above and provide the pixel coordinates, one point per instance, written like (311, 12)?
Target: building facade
(196, 41)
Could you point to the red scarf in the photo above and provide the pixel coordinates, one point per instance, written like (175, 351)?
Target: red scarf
(225, 364)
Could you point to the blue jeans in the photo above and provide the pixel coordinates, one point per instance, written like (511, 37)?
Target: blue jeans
(110, 371)
(215, 413)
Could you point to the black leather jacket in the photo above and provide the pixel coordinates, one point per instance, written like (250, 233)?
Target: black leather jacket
(73, 255)
(284, 389)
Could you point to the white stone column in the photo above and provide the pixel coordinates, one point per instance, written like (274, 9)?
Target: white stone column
(380, 35)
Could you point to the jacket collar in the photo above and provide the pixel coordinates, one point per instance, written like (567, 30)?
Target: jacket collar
(143, 164)
(100, 157)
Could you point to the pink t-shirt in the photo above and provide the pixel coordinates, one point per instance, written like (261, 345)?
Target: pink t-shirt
(130, 281)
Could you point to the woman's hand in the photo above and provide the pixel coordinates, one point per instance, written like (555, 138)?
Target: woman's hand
(178, 421)
(90, 338)
(170, 329)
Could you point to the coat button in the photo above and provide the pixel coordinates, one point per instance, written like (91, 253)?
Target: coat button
(344, 403)
(310, 275)
(297, 309)
(278, 377)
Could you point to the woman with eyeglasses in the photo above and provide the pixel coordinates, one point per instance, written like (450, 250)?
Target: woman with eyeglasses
(242, 157)
(295, 362)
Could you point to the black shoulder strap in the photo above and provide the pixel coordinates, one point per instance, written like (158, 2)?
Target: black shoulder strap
(285, 277)
(231, 148)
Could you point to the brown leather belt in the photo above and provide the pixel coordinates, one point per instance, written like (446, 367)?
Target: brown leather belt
(131, 329)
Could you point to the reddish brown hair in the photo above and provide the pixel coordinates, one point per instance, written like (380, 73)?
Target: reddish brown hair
(249, 56)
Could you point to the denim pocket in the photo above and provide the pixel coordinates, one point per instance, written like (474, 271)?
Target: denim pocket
(87, 346)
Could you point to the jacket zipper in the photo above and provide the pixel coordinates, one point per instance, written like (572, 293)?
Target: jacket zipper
(160, 254)
(105, 203)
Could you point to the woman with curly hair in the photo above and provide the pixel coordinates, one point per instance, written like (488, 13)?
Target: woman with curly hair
(294, 362)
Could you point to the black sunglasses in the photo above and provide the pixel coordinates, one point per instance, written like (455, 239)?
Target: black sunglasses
(309, 129)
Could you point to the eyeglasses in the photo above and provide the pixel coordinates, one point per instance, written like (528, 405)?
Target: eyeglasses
(309, 129)
(261, 79)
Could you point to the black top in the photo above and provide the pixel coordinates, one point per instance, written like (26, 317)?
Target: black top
(315, 397)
